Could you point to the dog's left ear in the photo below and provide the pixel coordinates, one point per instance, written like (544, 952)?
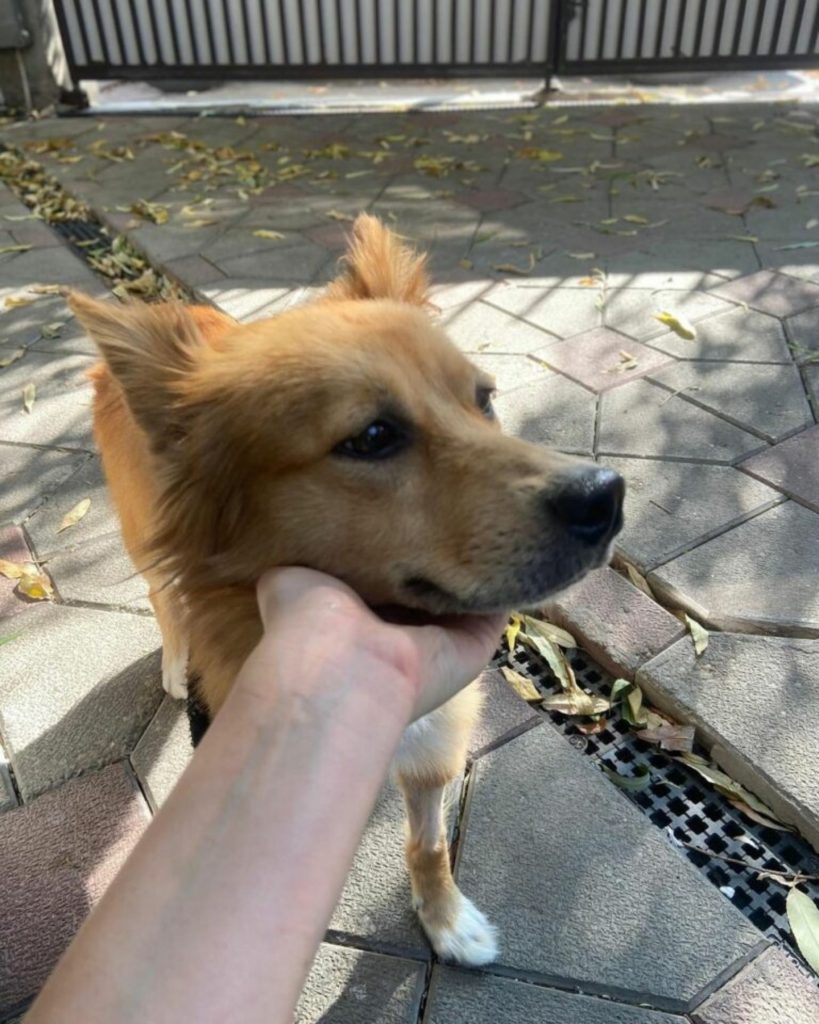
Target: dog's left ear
(149, 350)
(378, 265)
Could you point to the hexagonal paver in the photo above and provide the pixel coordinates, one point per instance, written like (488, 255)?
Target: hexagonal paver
(644, 419)
(596, 359)
(163, 752)
(755, 703)
(481, 999)
(58, 854)
(792, 467)
(561, 311)
(349, 986)
(776, 255)
(770, 292)
(741, 334)
(481, 328)
(61, 714)
(768, 400)
(671, 507)
(555, 412)
(771, 990)
(297, 263)
(544, 886)
(30, 475)
(45, 266)
(246, 299)
(760, 576)
(510, 371)
(633, 311)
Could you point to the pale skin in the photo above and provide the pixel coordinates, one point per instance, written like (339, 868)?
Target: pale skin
(217, 914)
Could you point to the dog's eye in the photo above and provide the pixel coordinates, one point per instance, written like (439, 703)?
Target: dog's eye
(483, 399)
(379, 440)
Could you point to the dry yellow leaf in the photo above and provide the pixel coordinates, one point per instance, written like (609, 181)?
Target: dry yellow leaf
(557, 635)
(35, 584)
(522, 686)
(338, 215)
(512, 630)
(465, 263)
(699, 634)
(29, 395)
(274, 236)
(13, 301)
(14, 248)
(635, 218)
(11, 570)
(576, 702)
(638, 579)
(678, 324)
(12, 357)
(72, 517)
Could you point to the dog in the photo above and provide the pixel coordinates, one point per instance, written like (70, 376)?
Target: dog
(348, 435)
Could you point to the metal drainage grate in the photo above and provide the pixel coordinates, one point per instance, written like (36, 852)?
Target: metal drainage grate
(680, 803)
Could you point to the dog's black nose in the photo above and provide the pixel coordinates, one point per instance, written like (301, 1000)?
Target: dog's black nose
(590, 504)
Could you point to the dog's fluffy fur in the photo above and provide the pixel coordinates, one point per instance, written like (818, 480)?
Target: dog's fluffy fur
(220, 447)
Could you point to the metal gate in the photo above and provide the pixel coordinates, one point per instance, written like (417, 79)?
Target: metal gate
(269, 39)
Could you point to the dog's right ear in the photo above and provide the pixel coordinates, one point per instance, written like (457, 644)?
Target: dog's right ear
(149, 350)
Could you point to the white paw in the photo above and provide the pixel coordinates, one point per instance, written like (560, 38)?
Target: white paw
(175, 675)
(471, 940)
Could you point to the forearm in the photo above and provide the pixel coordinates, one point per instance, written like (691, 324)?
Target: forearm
(217, 914)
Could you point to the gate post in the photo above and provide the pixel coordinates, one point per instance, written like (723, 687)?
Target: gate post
(32, 63)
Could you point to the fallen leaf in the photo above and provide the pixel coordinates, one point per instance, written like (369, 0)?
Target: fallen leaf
(809, 159)
(632, 706)
(576, 702)
(545, 156)
(11, 570)
(581, 255)
(522, 686)
(513, 268)
(154, 212)
(29, 395)
(725, 784)
(547, 630)
(338, 215)
(617, 687)
(803, 917)
(35, 584)
(797, 245)
(760, 819)
(466, 264)
(678, 738)
(274, 236)
(593, 727)
(634, 218)
(51, 331)
(14, 248)
(72, 517)
(699, 634)
(552, 655)
(638, 579)
(632, 783)
(12, 357)
(14, 301)
(678, 324)
(811, 224)
(512, 630)
(743, 238)
(627, 362)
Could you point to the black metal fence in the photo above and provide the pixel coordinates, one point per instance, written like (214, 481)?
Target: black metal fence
(270, 39)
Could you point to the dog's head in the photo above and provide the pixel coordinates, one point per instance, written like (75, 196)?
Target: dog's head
(349, 435)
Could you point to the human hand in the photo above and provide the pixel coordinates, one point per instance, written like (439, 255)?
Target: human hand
(324, 624)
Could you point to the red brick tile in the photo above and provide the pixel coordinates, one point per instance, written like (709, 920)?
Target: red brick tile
(770, 292)
(58, 854)
(615, 623)
(592, 358)
(791, 466)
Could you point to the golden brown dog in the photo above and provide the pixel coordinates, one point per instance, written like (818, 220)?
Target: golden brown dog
(350, 436)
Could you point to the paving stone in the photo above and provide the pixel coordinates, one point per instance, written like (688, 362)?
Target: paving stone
(57, 857)
(510, 371)
(21, 326)
(62, 713)
(771, 293)
(554, 411)
(193, 270)
(794, 263)
(29, 476)
(562, 311)
(245, 299)
(792, 467)
(14, 548)
(481, 328)
(163, 752)
(594, 357)
(671, 507)
(349, 986)
(62, 409)
(69, 337)
(503, 712)
(633, 310)
(8, 798)
(617, 625)
(741, 334)
(493, 199)
(769, 400)
(481, 999)
(771, 990)
(803, 329)
(760, 576)
(88, 562)
(644, 419)
(664, 932)
(754, 701)
(296, 263)
(46, 266)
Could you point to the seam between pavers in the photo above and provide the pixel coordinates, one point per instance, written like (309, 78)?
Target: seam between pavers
(784, 491)
(507, 737)
(727, 975)
(517, 316)
(348, 940)
(93, 606)
(763, 447)
(48, 447)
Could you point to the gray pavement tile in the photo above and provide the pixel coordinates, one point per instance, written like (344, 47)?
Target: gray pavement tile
(595, 359)
(350, 986)
(503, 712)
(803, 330)
(633, 311)
(792, 467)
(88, 561)
(673, 506)
(771, 990)
(738, 334)
(62, 408)
(560, 311)
(8, 798)
(583, 887)
(483, 999)
(296, 263)
(760, 576)
(483, 329)
(166, 242)
(58, 854)
(554, 411)
(30, 475)
(769, 292)
(22, 325)
(616, 624)
(193, 270)
(14, 548)
(248, 299)
(765, 399)
(462, 290)
(62, 711)
(55, 265)
(811, 377)
(163, 752)
(510, 371)
(754, 702)
(793, 262)
(644, 419)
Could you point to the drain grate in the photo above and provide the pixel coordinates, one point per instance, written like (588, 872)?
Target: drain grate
(679, 802)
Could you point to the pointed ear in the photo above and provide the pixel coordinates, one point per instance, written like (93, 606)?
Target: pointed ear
(378, 265)
(149, 351)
